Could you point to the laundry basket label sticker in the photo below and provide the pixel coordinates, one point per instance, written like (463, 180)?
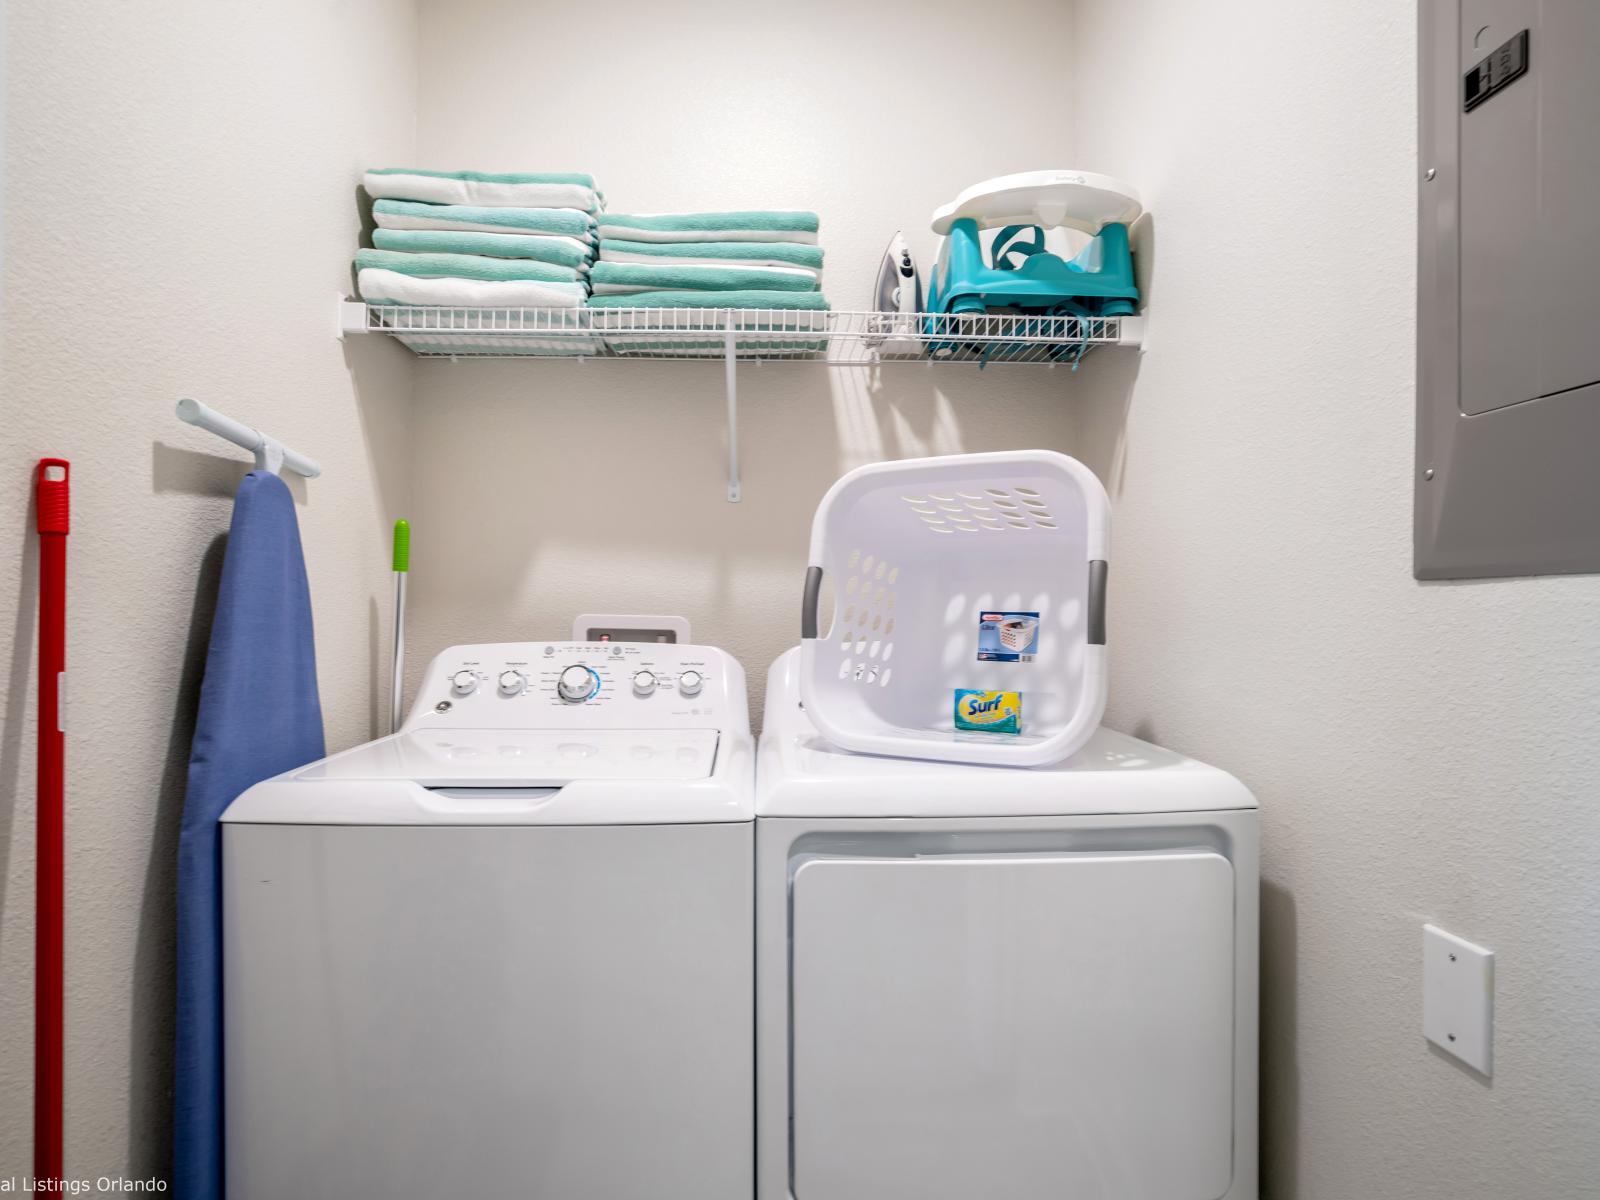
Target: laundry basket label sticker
(1008, 636)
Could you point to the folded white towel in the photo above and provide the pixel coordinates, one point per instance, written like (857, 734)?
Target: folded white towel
(634, 234)
(396, 221)
(478, 218)
(486, 189)
(744, 226)
(621, 279)
(377, 286)
(609, 253)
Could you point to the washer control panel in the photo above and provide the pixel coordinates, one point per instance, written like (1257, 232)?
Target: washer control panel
(631, 685)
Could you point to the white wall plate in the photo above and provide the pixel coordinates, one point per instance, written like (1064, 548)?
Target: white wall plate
(1458, 998)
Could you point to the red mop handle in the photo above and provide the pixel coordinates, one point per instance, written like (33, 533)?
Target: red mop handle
(49, 963)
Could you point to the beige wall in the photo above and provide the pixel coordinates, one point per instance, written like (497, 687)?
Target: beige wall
(1421, 752)
(179, 213)
(548, 489)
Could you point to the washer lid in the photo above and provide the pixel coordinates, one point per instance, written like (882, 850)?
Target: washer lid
(523, 757)
(451, 777)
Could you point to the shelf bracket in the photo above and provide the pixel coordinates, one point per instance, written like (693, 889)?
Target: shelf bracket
(352, 318)
(1131, 331)
(730, 354)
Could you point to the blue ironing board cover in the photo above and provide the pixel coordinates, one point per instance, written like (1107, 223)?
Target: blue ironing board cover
(259, 716)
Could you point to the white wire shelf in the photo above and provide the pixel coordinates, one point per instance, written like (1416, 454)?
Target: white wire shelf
(738, 335)
(842, 338)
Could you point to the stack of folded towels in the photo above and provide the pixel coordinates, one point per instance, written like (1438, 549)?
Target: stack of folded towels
(471, 239)
(708, 260)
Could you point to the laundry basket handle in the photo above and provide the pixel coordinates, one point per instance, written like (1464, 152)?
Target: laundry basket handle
(1096, 616)
(1097, 602)
(808, 604)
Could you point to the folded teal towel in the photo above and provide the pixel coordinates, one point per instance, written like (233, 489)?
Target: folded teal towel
(628, 278)
(716, 222)
(561, 251)
(815, 301)
(413, 214)
(789, 253)
(464, 266)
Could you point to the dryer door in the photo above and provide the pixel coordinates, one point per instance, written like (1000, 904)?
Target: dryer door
(1013, 1026)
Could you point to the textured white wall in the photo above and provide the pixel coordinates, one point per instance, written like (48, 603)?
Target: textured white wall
(548, 489)
(179, 214)
(1421, 752)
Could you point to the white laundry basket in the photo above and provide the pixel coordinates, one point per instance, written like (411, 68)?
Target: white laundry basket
(917, 552)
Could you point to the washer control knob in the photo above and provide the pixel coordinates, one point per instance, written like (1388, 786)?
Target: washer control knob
(464, 683)
(644, 683)
(512, 682)
(690, 683)
(577, 684)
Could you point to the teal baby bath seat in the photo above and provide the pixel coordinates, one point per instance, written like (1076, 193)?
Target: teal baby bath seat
(1021, 276)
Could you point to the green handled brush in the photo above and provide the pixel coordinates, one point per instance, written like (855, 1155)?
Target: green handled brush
(402, 567)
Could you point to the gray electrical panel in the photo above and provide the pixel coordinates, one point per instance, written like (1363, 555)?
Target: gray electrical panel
(1508, 306)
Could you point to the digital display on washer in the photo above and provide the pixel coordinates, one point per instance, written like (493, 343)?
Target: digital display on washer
(630, 635)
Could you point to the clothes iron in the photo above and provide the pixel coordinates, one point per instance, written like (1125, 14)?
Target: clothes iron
(897, 301)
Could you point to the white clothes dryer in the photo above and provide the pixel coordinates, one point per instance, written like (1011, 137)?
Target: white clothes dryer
(1012, 983)
(508, 950)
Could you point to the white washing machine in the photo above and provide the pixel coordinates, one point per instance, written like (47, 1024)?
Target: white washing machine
(507, 951)
(1006, 983)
